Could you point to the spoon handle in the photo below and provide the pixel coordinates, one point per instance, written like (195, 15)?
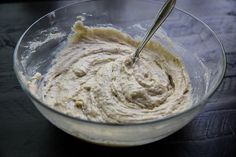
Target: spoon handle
(160, 18)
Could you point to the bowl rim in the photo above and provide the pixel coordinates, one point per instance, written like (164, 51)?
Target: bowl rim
(201, 102)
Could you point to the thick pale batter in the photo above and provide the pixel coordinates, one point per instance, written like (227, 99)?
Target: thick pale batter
(94, 79)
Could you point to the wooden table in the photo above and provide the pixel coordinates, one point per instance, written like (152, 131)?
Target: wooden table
(25, 132)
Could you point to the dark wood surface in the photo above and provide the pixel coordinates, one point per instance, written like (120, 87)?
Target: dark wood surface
(25, 132)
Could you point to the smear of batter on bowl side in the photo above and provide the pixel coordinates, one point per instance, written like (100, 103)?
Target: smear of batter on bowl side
(94, 79)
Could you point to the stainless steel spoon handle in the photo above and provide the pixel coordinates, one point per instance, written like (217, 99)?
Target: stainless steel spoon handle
(160, 18)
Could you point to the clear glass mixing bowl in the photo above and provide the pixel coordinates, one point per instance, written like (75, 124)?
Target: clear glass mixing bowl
(188, 37)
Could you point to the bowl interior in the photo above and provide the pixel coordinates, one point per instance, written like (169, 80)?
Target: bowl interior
(183, 34)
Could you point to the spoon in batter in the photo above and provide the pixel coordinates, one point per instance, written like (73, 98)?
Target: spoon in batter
(160, 18)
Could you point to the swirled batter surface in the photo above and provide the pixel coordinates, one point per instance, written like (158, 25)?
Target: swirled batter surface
(94, 79)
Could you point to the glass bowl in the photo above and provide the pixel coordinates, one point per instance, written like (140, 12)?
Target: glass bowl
(182, 33)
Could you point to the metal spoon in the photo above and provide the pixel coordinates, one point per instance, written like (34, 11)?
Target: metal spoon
(160, 18)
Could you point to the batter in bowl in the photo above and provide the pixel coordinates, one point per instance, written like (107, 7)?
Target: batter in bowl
(94, 79)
